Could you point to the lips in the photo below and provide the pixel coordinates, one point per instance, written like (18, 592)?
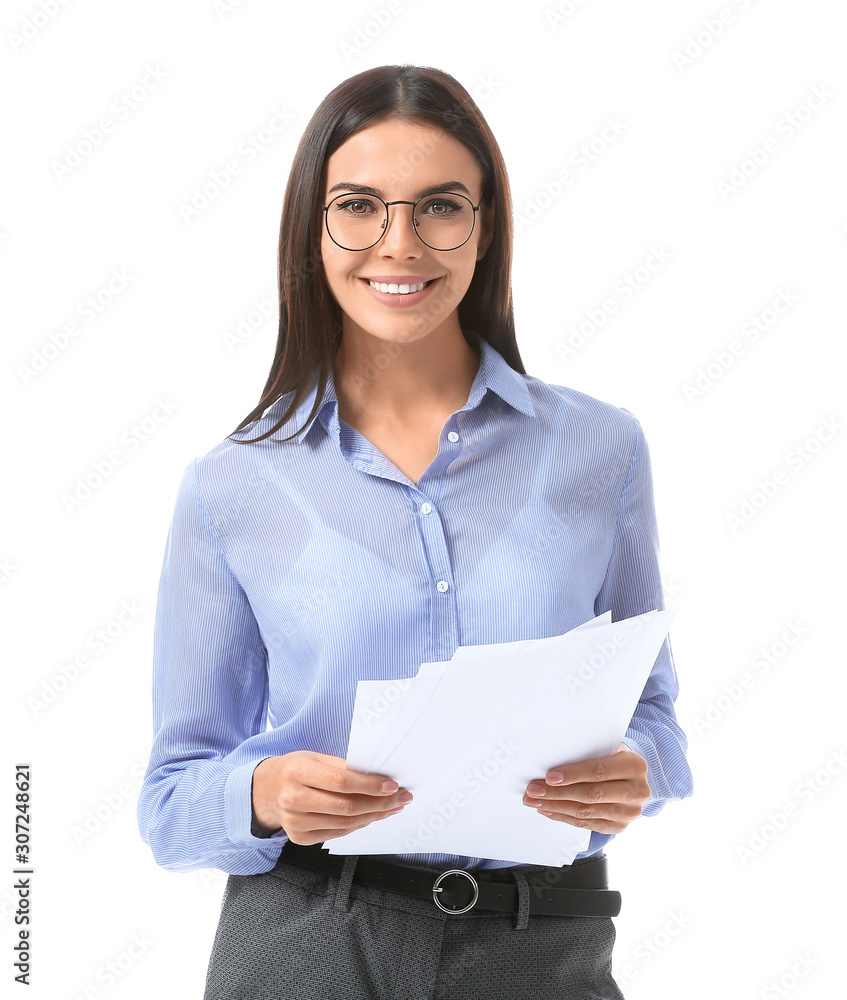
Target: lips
(399, 299)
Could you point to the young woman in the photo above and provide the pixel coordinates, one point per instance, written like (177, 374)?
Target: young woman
(403, 487)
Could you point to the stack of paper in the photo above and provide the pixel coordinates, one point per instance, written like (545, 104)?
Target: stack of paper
(467, 735)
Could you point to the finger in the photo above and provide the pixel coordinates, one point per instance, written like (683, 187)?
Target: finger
(616, 765)
(618, 790)
(346, 824)
(607, 817)
(329, 833)
(598, 825)
(320, 775)
(351, 805)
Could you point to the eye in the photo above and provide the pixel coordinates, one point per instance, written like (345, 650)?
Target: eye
(355, 206)
(443, 207)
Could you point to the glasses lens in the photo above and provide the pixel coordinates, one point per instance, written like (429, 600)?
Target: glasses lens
(356, 221)
(444, 221)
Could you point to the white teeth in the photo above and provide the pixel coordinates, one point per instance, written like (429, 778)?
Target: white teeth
(397, 289)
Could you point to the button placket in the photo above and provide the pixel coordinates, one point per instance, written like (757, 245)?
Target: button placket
(443, 620)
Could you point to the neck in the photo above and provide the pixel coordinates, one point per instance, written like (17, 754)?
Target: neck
(380, 381)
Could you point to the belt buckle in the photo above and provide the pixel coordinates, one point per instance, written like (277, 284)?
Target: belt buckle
(455, 871)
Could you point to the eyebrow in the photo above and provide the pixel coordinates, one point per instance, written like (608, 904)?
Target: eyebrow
(367, 189)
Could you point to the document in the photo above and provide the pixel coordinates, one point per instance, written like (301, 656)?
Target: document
(467, 735)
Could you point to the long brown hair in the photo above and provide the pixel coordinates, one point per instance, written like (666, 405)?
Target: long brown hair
(309, 317)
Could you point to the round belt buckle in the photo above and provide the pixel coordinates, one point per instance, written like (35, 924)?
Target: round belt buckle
(455, 871)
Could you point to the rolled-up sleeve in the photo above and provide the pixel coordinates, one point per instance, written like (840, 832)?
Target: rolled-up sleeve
(633, 586)
(210, 699)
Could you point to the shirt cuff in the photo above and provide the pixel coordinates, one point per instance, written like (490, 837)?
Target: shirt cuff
(238, 800)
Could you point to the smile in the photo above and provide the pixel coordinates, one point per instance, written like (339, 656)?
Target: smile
(392, 289)
(400, 294)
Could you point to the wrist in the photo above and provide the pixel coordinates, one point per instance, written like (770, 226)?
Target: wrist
(264, 822)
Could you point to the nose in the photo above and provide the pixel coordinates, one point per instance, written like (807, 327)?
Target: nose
(400, 238)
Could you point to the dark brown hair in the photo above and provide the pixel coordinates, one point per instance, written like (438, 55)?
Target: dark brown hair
(309, 317)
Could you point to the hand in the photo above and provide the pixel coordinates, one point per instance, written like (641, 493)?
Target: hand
(314, 797)
(605, 794)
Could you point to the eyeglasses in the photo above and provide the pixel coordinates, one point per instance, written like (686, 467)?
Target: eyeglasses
(442, 221)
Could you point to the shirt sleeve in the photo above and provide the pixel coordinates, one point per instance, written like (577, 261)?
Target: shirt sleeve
(633, 586)
(210, 699)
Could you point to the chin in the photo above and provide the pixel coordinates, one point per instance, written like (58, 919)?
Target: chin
(397, 332)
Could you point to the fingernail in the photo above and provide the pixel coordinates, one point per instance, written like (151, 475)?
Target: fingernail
(555, 778)
(405, 797)
(390, 786)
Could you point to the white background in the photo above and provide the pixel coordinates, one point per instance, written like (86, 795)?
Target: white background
(724, 893)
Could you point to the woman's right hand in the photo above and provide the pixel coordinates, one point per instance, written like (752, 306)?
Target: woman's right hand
(315, 797)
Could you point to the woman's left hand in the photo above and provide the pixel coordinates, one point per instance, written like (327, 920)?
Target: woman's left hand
(605, 794)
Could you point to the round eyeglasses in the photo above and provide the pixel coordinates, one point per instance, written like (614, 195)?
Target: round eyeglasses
(442, 221)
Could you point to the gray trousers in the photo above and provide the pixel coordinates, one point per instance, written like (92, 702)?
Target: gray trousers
(294, 934)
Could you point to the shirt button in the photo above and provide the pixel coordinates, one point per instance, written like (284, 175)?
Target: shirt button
(452, 436)
(441, 585)
(426, 508)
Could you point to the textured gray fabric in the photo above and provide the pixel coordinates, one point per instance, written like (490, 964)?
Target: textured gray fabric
(294, 934)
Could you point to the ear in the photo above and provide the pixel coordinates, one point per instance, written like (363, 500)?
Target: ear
(487, 213)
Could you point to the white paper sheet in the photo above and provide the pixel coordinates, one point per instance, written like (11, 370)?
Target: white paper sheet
(467, 735)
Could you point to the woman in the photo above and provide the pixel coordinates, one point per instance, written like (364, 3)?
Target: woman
(402, 487)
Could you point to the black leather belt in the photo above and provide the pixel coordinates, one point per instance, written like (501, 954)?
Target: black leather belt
(578, 890)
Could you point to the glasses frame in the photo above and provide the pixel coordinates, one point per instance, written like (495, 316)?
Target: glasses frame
(453, 194)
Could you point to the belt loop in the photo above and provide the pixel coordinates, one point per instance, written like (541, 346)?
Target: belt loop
(523, 897)
(344, 883)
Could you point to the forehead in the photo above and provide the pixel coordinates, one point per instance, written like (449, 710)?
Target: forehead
(400, 157)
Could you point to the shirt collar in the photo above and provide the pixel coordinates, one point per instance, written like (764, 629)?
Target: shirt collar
(494, 373)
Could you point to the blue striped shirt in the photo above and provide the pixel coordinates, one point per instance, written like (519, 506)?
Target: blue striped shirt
(293, 570)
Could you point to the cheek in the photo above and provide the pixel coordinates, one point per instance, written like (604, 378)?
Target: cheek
(332, 266)
(462, 275)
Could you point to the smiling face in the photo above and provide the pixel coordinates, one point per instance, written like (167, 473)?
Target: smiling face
(399, 160)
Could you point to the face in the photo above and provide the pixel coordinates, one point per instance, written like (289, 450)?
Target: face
(400, 159)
